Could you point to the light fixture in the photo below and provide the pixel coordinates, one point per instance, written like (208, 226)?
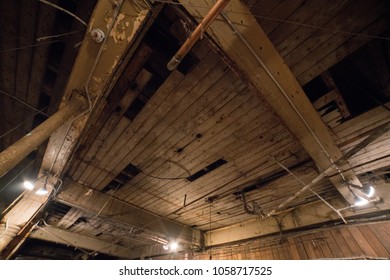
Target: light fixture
(360, 201)
(40, 184)
(173, 246)
(363, 195)
(369, 190)
(28, 185)
(42, 191)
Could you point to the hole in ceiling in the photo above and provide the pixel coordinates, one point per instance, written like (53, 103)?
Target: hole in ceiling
(127, 174)
(206, 170)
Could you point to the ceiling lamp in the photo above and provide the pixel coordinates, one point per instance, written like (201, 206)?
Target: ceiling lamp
(42, 191)
(173, 246)
(28, 185)
(363, 195)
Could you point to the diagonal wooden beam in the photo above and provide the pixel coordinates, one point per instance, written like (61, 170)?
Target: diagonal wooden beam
(79, 196)
(251, 52)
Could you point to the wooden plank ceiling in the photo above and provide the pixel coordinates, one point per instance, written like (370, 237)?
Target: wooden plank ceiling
(186, 144)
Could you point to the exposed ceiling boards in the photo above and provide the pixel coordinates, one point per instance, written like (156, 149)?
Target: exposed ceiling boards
(169, 155)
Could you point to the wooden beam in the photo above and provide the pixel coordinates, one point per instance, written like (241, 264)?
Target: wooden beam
(68, 238)
(312, 214)
(60, 236)
(251, 52)
(79, 196)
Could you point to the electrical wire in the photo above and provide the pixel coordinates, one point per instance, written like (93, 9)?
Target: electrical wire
(310, 189)
(284, 21)
(24, 103)
(29, 46)
(20, 124)
(64, 10)
(43, 38)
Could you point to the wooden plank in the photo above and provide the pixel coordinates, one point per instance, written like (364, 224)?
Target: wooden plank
(341, 242)
(302, 14)
(323, 245)
(301, 248)
(321, 41)
(364, 244)
(209, 129)
(281, 12)
(137, 62)
(118, 158)
(111, 128)
(229, 174)
(298, 38)
(332, 245)
(325, 99)
(236, 122)
(351, 45)
(382, 235)
(351, 242)
(375, 243)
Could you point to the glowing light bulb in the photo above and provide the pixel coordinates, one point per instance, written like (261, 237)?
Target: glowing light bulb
(371, 191)
(42, 191)
(361, 201)
(28, 185)
(174, 246)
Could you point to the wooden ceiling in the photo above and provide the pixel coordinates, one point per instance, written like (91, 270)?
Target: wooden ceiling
(187, 145)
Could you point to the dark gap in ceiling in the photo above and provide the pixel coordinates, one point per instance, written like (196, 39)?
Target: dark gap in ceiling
(34, 249)
(143, 97)
(80, 220)
(206, 170)
(55, 56)
(164, 45)
(63, 20)
(315, 89)
(57, 211)
(361, 82)
(262, 182)
(127, 174)
(160, 38)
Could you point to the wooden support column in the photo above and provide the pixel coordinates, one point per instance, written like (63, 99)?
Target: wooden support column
(256, 60)
(18, 151)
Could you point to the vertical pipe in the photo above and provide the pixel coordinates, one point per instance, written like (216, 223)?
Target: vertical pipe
(194, 37)
(11, 156)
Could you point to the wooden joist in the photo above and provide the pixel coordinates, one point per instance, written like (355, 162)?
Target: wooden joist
(89, 200)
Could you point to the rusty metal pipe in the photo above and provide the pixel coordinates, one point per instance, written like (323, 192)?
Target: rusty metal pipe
(194, 37)
(14, 154)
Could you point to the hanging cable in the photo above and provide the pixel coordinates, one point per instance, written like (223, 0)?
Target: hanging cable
(22, 123)
(43, 38)
(24, 103)
(64, 10)
(29, 46)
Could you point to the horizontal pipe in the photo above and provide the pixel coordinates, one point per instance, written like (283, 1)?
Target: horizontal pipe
(198, 32)
(14, 154)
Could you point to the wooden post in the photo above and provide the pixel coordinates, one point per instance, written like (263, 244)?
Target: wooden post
(14, 154)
